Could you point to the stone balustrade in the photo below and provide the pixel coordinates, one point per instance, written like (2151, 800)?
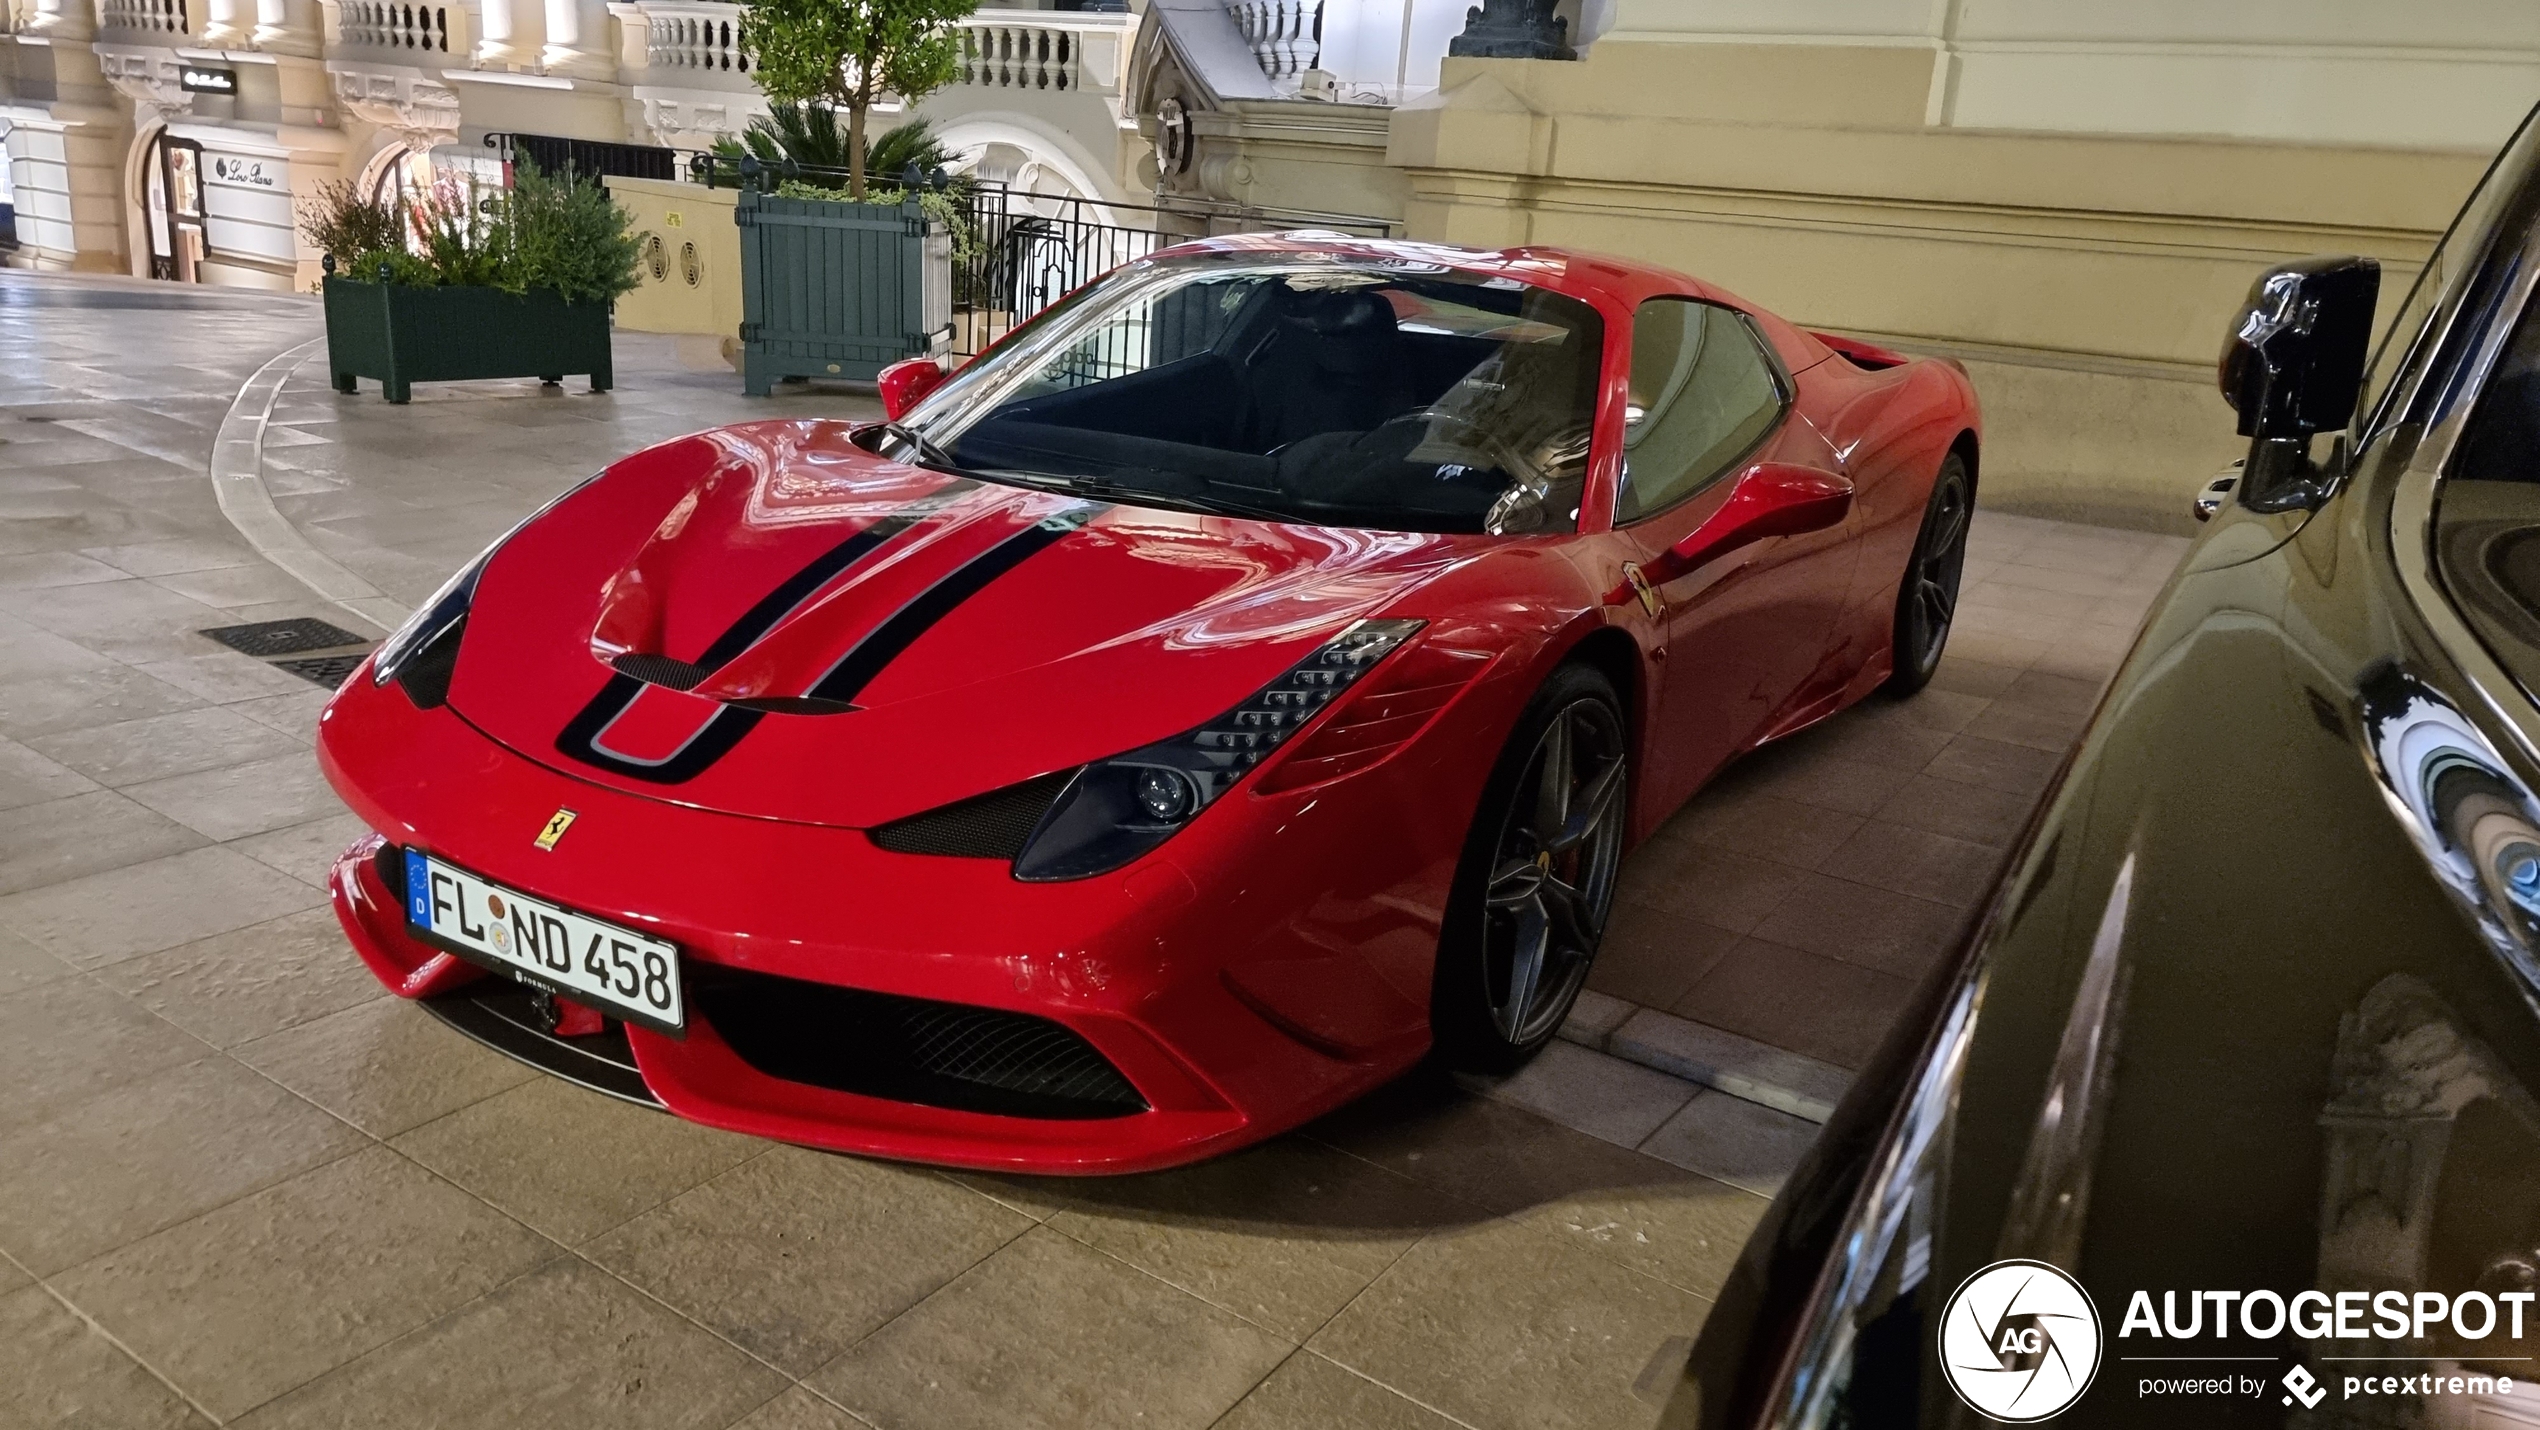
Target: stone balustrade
(1281, 34)
(405, 27)
(144, 17)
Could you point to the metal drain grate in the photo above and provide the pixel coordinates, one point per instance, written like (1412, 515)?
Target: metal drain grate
(326, 670)
(266, 639)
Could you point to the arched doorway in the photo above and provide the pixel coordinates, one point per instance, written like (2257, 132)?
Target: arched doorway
(172, 205)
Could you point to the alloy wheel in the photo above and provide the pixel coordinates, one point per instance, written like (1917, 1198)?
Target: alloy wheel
(1552, 874)
(1931, 590)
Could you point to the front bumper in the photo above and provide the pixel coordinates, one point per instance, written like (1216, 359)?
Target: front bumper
(1161, 973)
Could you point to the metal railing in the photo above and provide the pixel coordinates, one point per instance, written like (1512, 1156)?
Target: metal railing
(381, 25)
(587, 158)
(1015, 252)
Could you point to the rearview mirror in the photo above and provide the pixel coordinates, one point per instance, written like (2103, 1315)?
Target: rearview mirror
(1770, 499)
(2293, 366)
(905, 384)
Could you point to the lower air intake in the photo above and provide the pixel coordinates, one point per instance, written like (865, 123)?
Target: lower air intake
(948, 1055)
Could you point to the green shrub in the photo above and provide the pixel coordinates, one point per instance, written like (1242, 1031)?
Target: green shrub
(339, 220)
(569, 235)
(548, 231)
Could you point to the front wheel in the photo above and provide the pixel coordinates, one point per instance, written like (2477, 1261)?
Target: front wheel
(1537, 878)
(1927, 603)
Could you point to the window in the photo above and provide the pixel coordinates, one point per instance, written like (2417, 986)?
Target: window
(1702, 395)
(2405, 344)
(1381, 394)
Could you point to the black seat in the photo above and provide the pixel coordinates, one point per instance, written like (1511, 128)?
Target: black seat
(1335, 364)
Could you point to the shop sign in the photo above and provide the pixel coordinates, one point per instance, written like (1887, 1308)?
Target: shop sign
(196, 80)
(254, 173)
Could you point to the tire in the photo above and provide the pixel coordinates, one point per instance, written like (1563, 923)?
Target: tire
(1536, 878)
(1927, 599)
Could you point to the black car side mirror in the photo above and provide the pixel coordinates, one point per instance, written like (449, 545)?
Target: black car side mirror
(2293, 366)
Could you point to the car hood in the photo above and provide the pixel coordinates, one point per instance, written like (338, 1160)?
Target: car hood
(769, 620)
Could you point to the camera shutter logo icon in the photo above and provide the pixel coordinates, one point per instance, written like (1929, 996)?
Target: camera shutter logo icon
(2019, 1341)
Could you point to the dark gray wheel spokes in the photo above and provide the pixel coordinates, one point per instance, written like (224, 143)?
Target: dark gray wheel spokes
(1932, 595)
(1552, 879)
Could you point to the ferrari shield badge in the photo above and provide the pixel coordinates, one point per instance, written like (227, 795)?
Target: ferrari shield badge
(557, 824)
(1639, 583)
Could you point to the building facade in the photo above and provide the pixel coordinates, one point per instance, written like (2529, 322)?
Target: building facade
(2071, 197)
(174, 138)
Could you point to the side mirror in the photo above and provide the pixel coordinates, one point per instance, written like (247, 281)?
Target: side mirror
(2293, 366)
(1770, 499)
(904, 384)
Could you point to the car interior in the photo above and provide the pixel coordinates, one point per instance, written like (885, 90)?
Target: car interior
(1344, 398)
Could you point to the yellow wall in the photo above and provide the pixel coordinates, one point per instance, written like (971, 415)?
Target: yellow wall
(2087, 278)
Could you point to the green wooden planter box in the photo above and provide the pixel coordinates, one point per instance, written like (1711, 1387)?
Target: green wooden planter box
(837, 290)
(403, 335)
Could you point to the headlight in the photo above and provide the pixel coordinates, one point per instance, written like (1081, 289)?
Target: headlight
(1117, 809)
(435, 624)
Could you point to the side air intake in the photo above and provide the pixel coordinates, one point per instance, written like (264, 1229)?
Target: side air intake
(989, 826)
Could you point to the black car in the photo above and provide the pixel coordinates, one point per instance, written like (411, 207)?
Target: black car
(2246, 1046)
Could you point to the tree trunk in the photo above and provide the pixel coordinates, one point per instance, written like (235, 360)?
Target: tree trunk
(857, 104)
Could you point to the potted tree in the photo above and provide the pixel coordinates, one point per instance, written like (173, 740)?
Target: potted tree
(469, 283)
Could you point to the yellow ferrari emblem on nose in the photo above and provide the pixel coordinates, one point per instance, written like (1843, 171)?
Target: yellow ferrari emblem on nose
(557, 824)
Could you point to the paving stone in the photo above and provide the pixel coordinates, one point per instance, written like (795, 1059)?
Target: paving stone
(385, 1065)
(1506, 1328)
(1050, 1332)
(75, 700)
(1308, 1392)
(158, 746)
(1622, 1102)
(571, 1162)
(235, 987)
(145, 907)
(566, 1347)
(272, 1290)
(251, 798)
(1283, 1234)
(1729, 1139)
(110, 1169)
(797, 1255)
(56, 1369)
(306, 852)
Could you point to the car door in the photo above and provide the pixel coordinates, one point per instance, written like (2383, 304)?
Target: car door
(1743, 630)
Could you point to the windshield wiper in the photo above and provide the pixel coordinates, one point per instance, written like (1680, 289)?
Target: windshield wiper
(1207, 504)
(928, 454)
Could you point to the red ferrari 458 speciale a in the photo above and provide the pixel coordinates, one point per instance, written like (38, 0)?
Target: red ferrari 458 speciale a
(1241, 681)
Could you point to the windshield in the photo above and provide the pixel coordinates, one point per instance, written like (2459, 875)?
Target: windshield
(1378, 393)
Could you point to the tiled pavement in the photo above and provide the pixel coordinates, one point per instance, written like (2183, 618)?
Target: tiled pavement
(237, 1184)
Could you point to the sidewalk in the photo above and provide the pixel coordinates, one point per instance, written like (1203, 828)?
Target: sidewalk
(239, 1184)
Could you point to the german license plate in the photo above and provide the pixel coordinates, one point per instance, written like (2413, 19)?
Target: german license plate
(613, 969)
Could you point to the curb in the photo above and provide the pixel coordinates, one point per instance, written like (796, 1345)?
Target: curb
(1714, 1057)
(238, 483)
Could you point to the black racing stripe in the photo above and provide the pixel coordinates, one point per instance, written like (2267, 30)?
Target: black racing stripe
(797, 588)
(887, 641)
(724, 729)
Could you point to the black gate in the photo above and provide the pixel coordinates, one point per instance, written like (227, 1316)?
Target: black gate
(1015, 252)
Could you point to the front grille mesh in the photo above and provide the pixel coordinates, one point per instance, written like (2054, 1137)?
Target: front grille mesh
(660, 670)
(948, 1055)
(989, 826)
